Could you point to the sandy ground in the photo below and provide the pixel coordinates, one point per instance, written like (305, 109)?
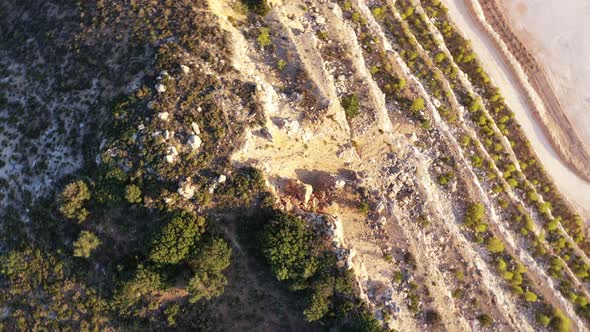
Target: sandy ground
(562, 47)
(575, 189)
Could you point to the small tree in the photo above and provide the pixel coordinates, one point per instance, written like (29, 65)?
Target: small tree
(351, 106)
(494, 245)
(208, 262)
(85, 244)
(417, 105)
(133, 194)
(287, 244)
(176, 238)
(72, 199)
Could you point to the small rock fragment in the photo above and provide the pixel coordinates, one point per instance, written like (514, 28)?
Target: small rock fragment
(185, 69)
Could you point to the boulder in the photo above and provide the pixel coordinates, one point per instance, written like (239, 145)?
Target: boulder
(160, 88)
(172, 151)
(186, 189)
(185, 69)
(194, 141)
(164, 116)
(299, 190)
(169, 158)
(307, 191)
(195, 128)
(221, 179)
(380, 207)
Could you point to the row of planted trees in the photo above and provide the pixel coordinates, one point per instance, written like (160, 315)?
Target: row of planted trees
(406, 46)
(529, 190)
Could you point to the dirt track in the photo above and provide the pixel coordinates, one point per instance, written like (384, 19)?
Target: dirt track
(555, 124)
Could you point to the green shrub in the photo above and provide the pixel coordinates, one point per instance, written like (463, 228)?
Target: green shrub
(85, 244)
(417, 105)
(133, 194)
(485, 320)
(543, 320)
(494, 245)
(263, 38)
(530, 296)
(176, 238)
(351, 106)
(259, 7)
(72, 199)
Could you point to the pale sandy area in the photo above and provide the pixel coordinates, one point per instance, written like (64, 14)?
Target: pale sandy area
(575, 189)
(557, 32)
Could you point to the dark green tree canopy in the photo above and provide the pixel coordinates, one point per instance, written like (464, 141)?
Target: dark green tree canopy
(85, 244)
(208, 262)
(287, 244)
(176, 238)
(72, 199)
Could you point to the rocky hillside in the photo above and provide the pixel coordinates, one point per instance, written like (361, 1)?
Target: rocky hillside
(280, 165)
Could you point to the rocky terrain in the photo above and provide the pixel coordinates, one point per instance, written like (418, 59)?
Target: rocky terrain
(353, 158)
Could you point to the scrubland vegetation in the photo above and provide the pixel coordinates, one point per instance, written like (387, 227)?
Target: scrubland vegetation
(134, 241)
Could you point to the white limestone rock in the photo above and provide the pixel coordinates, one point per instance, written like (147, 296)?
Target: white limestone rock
(161, 88)
(164, 116)
(186, 189)
(195, 128)
(185, 69)
(194, 141)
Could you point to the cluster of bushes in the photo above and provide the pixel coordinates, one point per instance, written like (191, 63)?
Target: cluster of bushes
(305, 262)
(105, 254)
(485, 123)
(474, 217)
(512, 271)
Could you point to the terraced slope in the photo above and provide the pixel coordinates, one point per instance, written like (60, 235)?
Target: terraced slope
(437, 161)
